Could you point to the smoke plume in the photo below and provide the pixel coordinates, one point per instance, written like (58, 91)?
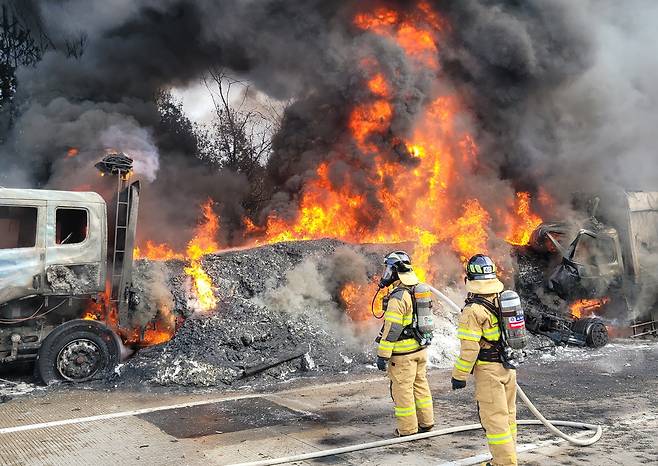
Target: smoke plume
(558, 96)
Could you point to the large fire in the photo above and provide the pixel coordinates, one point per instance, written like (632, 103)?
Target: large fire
(417, 191)
(422, 200)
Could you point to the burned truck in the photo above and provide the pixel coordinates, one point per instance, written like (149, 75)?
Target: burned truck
(57, 258)
(607, 265)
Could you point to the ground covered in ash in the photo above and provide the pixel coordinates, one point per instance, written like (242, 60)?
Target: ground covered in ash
(274, 302)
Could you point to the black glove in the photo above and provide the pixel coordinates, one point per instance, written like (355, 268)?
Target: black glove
(457, 384)
(381, 363)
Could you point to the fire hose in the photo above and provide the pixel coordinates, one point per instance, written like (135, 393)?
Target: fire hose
(550, 424)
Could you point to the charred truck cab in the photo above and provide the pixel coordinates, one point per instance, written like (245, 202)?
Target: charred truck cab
(54, 264)
(612, 259)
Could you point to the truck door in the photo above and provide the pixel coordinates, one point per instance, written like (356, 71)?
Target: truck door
(599, 263)
(74, 253)
(22, 236)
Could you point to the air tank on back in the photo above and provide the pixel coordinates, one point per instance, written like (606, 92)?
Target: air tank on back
(513, 320)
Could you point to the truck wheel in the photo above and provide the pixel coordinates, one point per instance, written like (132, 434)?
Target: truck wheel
(594, 331)
(77, 351)
(597, 335)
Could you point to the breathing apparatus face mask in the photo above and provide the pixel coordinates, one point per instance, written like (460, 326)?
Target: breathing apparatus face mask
(398, 260)
(389, 275)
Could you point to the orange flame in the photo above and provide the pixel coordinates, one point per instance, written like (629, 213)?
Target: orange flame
(156, 251)
(72, 152)
(523, 222)
(378, 85)
(587, 307)
(470, 230)
(203, 243)
(355, 299)
(160, 330)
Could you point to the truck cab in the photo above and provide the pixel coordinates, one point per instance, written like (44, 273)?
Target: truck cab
(614, 255)
(55, 265)
(592, 266)
(52, 243)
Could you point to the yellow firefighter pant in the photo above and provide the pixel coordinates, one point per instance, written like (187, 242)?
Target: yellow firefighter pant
(411, 392)
(495, 391)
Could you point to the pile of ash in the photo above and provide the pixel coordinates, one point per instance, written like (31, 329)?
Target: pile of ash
(274, 301)
(215, 350)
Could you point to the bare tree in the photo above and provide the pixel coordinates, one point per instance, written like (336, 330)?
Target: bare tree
(240, 136)
(75, 46)
(19, 46)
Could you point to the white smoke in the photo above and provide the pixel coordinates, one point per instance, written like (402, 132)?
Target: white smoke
(135, 141)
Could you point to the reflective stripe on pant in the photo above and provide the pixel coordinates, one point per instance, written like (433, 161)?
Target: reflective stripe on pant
(495, 391)
(411, 392)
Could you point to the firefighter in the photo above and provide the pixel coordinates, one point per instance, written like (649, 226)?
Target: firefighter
(401, 351)
(495, 382)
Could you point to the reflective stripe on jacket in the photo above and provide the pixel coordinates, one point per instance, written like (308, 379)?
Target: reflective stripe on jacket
(476, 326)
(399, 313)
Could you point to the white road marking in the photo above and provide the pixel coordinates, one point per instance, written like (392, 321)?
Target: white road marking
(137, 412)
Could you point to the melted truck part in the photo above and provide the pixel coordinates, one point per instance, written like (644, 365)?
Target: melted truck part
(612, 256)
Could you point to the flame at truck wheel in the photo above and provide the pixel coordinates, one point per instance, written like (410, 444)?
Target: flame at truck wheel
(587, 307)
(160, 330)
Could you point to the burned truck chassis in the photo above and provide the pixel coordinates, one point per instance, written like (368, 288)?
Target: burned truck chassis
(610, 261)
(579, 332)
(26, 322)
(541, 319)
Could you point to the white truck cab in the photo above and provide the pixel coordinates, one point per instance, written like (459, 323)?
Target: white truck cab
(55, 263)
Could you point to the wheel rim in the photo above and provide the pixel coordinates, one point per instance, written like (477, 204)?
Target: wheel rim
(599, 335)
(79, 360)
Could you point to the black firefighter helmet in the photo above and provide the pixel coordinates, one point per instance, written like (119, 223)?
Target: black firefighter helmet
(397, 266)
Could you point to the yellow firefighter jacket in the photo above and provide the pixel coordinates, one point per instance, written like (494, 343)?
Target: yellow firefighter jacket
(475, 323)
(399, 313)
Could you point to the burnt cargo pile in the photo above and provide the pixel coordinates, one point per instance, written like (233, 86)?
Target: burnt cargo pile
(279, 302)
(275, 302)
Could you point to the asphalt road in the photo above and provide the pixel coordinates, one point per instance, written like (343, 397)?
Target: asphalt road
(616, 386)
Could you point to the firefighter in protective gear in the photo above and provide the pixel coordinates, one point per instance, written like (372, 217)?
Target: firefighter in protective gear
(495, 385)
(399, 352)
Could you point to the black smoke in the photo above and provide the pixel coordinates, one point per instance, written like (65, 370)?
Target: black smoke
(540, 89)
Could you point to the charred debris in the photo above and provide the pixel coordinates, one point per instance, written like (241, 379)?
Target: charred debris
(580, 279)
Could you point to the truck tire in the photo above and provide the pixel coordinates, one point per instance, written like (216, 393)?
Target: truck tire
(77, 351)
(594, 331)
